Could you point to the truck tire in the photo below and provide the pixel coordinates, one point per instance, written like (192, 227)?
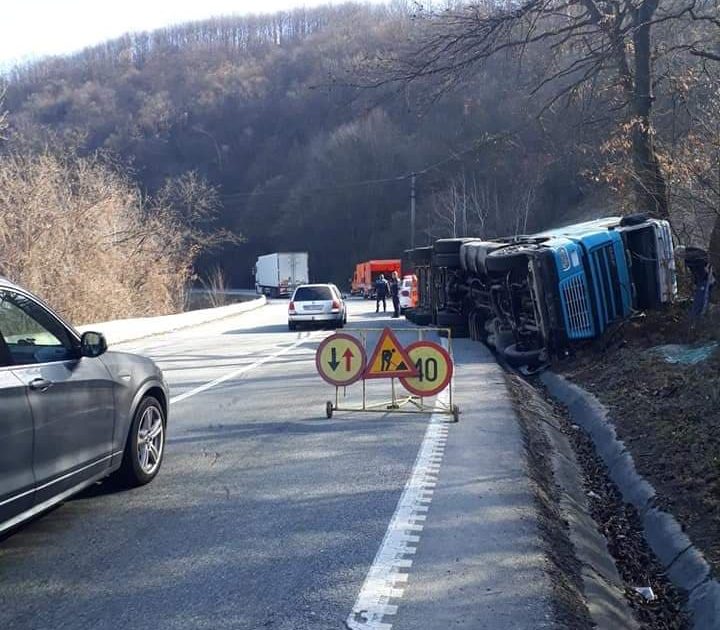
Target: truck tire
(450, 318)
(449, 245)
(451, 261)
(518, 357)
(456, 322)
(467, 255)
(509, 258)
(480, 253)
(422, 318)
(422, 256)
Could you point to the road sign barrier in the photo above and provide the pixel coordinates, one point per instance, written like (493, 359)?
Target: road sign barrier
(340, 359)
(434, 368)
(424, 369)
(389, 359)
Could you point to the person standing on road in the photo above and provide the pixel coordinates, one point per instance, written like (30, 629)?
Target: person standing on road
(381, 291)
(395, 293)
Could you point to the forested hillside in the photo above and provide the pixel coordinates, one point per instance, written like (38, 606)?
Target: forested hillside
(309, 123)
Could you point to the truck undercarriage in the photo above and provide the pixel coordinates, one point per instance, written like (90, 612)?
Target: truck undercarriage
(534, 297)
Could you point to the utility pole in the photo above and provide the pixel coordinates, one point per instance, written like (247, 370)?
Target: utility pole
(412, 211)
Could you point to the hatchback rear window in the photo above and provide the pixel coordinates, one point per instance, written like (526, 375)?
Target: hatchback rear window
(312, 294)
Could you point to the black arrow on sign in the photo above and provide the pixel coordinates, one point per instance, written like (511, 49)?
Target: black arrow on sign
(334, 363)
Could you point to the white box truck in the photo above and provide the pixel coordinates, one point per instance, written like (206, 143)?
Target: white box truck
(280, 273)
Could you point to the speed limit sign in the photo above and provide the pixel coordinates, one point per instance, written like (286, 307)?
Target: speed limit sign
(434, 369)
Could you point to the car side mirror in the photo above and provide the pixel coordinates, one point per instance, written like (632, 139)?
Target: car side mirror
(92, 344)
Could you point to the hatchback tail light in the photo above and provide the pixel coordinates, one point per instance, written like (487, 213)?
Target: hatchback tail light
(335, 306)
(291, 307)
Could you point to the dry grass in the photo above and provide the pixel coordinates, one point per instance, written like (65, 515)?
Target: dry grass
(76, 232)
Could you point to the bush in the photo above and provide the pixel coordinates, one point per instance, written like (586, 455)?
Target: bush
(77, 232)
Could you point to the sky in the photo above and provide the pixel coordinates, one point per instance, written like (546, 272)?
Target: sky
(35, 28)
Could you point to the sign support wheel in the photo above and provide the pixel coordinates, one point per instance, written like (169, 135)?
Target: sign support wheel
(329, 409)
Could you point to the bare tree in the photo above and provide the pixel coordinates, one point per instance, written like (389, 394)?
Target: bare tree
(3, 114)
(584, 40)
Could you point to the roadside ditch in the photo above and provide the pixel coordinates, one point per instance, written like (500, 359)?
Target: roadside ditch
(604, 573)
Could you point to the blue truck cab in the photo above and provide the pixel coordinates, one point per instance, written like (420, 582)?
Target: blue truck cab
(534, 296)
(594, 288)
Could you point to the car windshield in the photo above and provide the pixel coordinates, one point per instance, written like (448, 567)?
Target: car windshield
(312, 294)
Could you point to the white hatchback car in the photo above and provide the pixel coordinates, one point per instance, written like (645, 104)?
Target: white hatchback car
(313, 304)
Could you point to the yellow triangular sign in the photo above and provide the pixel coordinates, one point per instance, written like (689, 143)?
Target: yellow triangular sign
(389, 359)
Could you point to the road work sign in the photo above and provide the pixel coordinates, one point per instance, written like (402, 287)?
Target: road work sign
(434, 369)
(340, 359)
(389, 359)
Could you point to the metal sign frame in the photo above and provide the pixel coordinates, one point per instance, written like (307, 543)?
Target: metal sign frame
(405, 403)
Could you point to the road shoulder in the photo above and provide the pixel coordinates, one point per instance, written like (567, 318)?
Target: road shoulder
(481, 562)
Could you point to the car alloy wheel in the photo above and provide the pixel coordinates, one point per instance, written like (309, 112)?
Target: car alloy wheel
(150, 440)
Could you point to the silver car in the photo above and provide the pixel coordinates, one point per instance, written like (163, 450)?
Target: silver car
(317, 304)
(72, 413)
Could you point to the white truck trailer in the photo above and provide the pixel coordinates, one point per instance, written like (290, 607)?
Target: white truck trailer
(280, 273)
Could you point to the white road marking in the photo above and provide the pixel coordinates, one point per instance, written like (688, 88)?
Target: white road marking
(384, 576)
(239, 372)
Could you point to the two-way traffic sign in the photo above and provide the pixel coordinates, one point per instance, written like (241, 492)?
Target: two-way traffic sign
(340, 359)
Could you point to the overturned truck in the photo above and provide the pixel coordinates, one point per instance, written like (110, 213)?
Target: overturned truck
(533, 297)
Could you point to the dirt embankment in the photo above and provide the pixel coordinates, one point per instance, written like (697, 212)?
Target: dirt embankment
(668, 414)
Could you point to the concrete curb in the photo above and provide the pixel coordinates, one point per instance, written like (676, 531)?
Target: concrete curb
(685, 564)
(123, 330)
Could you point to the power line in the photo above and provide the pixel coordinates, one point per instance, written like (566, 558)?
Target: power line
(367, 182)
(364, 182)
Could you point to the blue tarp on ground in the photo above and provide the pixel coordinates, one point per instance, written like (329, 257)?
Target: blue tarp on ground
(685, 354)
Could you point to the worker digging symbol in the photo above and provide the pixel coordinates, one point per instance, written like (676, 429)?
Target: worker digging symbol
(389, 359)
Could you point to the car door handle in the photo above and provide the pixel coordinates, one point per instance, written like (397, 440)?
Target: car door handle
(40, 384)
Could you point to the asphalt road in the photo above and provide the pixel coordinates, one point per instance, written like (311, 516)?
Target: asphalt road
(268, 515)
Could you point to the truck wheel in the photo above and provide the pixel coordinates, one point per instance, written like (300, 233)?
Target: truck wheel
(481, 251)
(517, 356)
(421, 256)
(292, 326)
(508, 258)
(450, 318)
(449, 245)
(446, 260)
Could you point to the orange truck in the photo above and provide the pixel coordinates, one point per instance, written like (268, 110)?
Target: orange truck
(363, 282)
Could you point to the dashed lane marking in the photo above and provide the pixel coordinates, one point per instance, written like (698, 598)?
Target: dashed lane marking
(385, 577)
(240, 371)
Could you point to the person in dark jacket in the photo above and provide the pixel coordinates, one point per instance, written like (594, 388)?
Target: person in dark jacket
(381, 292)
(395, 293)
